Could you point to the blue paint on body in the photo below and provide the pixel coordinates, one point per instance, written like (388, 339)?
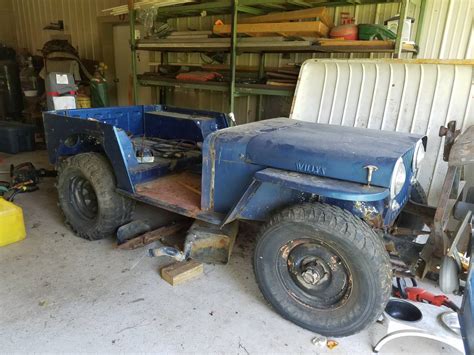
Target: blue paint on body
(248, 171)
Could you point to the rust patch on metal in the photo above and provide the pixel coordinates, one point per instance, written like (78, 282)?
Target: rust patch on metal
(178, 190)
(370, 214)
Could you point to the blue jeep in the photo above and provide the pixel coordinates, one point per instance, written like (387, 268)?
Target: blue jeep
(326, 194)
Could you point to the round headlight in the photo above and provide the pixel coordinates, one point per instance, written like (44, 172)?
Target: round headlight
(399, 176)
(419, 155)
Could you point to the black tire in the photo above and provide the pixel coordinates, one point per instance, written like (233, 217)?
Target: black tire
(408, 220)
(87, 197)
(357, 251)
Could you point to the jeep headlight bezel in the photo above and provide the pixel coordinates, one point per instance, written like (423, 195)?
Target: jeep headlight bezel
(418, 155)
(398, 179)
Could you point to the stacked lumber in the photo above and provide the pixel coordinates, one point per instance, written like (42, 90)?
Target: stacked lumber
(283, 77)
(318, 13)
(286, 23)
(360, 46)
(203, 41)
(143, 4)
(286, 29)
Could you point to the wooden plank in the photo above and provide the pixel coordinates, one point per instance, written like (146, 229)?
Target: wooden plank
(190, 37)
(248, 68)
(180, 272)
(153, 236)
(213, 45)
(350, 43)
(308, 28)
(187, 33)
(272, 74)
(320, 13)
(181, 39)
(280, 83)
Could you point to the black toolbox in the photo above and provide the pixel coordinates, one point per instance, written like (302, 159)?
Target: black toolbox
(16, 137)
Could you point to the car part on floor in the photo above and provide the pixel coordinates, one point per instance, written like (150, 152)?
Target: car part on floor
(405, 319)
(129, 239)
(204, 242)
(209, 243)
(131, 231)
(458, 152)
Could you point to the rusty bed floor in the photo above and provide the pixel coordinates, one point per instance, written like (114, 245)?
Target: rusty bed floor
(181, 189)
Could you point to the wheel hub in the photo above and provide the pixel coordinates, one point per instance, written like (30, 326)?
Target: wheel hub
(313, 273)
(83, 198)
(317, 274)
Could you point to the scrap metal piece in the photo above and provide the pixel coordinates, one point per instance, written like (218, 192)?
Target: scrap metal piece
(450, 133)
(462, 151)
(209, 243)
(130, 231)
(320, 341)
(149, 236)
(167, 251)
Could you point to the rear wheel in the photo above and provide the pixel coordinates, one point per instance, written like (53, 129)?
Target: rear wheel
(86, 191)
(323, 269)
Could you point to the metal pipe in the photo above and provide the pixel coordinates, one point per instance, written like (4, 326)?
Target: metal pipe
(401, 24)
(131, 17)
(233, 55)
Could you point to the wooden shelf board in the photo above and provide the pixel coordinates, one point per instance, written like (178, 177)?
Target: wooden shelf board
(241, 89)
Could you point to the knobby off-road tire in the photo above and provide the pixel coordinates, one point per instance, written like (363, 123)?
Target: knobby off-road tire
(330, 242)
(86, 190)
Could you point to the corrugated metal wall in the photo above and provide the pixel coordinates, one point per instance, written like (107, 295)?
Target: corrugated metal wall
(400, 96)
(7, 35)
(80, 22)
(447, 31)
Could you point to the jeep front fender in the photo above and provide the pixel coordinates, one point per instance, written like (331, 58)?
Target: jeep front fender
(273, 188)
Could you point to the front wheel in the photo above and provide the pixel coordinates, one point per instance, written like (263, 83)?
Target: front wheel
(323, 269)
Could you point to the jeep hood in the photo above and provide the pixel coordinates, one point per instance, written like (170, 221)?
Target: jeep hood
(329, 150)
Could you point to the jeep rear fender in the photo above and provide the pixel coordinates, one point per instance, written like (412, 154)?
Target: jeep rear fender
(111, 140)
(273, 188)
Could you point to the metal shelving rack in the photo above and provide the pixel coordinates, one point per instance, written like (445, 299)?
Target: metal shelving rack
(234, 7)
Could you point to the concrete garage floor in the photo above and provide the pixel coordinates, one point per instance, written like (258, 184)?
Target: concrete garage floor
(59, 293)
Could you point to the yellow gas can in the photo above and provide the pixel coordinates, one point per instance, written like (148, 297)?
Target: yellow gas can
(12, 226)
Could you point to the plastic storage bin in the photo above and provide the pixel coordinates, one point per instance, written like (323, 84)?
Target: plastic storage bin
(16, 137)
(12, 226)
